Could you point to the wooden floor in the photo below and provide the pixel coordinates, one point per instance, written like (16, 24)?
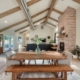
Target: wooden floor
(76, 65)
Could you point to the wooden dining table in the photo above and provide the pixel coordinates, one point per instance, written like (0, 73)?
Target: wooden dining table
(46, 55)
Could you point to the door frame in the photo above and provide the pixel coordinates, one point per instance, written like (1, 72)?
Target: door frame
(2, 43)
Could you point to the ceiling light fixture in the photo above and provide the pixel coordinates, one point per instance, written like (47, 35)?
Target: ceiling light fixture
(5, 21)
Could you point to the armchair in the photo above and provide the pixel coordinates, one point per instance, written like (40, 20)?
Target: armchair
(11, 62)
(68, 60)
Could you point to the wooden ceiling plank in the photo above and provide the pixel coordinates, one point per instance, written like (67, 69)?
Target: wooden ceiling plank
(51, 24)
(50, 10)
(6, 13)
(13, 25)
(57, 11)
(53, 19)
(77, 1)
(29, 25)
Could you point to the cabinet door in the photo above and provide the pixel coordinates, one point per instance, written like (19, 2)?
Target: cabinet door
(1, 43)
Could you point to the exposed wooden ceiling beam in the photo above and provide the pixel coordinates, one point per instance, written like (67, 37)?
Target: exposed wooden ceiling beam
(51, 24)
(22, 28)
(28, 30)
(27, 16)
(29, 25)
(59, 12)
(40, 12)
(40, 19)
(78, 1)
(23, 31)
(50, 10)
(14, 25)
(53, 19)
(6, 13)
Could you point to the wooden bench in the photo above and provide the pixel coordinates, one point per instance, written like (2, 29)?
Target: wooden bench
(39, 68)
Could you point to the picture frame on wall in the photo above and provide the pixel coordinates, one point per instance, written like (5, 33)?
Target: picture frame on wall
(19, 39)
(36, 36)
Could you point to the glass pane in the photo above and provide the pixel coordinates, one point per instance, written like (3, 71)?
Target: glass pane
(6, 42)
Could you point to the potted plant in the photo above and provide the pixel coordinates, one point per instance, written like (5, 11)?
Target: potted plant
(37, 41)
(51, 41)
(76, 51)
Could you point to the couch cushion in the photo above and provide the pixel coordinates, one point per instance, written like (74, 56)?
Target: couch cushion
(2, 65)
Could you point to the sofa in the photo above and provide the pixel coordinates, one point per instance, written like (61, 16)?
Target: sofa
(2, 64)
(45, 47)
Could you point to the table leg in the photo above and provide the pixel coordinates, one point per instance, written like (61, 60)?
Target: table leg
(56, 74)
(19, 75)
(35, 62)
(43, 61)
(21, 62)
(13, 76)
(65, 75)
(55, 62)
(61, 75)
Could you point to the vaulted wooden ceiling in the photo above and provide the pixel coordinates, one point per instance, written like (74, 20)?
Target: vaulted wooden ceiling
(40, 10)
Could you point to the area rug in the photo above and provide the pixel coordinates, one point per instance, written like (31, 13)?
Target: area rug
(7, 76)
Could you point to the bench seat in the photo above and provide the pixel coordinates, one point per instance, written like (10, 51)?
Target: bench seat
(39, 68)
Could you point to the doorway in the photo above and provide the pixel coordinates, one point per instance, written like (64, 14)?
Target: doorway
(8, 43)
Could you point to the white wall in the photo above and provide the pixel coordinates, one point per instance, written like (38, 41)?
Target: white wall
(42, 33)
(78, 26)
(17, 44)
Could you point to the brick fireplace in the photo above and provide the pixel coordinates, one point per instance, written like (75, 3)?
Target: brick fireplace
(68, 21)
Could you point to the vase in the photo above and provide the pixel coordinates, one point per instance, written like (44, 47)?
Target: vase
(37, 50)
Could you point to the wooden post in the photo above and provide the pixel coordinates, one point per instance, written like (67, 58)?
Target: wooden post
(13, 75)
(65, 75)
(62, 75)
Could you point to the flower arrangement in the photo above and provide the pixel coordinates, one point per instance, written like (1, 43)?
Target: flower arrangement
(37, 40)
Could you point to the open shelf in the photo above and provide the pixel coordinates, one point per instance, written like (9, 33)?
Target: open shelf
(62, 36)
